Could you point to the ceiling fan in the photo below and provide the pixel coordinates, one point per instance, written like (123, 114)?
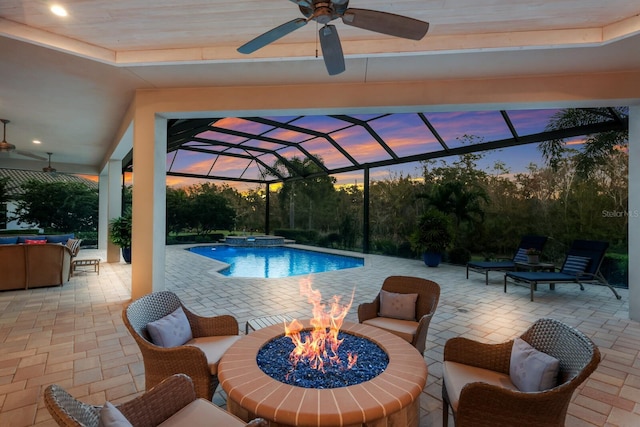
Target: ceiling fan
(323, 12)
(49, 169)
(6, 147)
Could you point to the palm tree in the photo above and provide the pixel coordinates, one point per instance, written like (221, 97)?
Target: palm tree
(314, 188)
(598, 147)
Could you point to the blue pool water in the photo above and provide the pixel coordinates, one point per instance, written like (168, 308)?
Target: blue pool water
(272, 262)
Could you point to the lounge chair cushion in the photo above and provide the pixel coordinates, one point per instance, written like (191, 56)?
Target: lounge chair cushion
(457, 375)
(575, 264)
(398, 306)
(171, 330)
(532, 370)
(202, 413)
(405, 329)
(110, 416)
(214, 348)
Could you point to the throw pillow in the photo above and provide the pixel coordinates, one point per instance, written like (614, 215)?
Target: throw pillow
(532, 370)
(575, 265)
(398, 306)
(73, 245)
(521, 255)
(35, 242)
(170, 331)
(110, 416)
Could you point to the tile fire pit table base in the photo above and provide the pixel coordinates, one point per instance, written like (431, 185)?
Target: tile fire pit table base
(390, 399)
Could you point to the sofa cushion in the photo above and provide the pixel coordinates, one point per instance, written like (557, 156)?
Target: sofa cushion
(457, 375)
(398, 306)
(170, 331)
(405, 329)
(21, 239)
(532, 370)
(9, 240)
(110, 416)
(201, 413)
(59, 238)
(35, 242)
(214, 348)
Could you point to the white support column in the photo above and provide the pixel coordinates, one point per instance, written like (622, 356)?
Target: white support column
(114, 204)
(634, 212)
(103, 209)
(149, 202)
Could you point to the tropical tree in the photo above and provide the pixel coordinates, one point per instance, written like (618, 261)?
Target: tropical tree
(598, 147)
(178, 210)
(308, 198)
(395, 209)
(58, 206)
(209, 210)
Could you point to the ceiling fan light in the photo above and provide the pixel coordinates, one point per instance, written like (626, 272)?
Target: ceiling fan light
(6, 147)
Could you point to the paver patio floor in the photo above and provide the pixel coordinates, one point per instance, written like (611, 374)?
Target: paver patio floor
(74, 336)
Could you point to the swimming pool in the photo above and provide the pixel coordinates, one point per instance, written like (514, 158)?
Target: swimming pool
(272, 262)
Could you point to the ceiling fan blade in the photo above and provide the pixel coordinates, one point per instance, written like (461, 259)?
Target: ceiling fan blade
(331, 50)
(28, 154)
(303, 3)
(272, 35)
(386, 23)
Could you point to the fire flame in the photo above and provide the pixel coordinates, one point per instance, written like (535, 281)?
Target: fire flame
(322, 343)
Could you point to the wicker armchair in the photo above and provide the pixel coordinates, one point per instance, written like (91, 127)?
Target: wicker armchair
(487, 404)
(148, 410)
(414, 331)
(198, 358)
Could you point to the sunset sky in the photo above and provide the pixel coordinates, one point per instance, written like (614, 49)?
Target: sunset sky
(405, 134)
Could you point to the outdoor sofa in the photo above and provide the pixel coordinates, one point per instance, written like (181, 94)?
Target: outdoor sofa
(25, 265)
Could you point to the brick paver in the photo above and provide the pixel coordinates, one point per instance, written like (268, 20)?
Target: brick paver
(73, 335)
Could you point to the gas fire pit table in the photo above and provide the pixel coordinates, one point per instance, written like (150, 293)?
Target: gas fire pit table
(391, 398)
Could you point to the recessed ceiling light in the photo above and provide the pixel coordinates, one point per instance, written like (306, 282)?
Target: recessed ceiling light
(35, 141)
(59, 10)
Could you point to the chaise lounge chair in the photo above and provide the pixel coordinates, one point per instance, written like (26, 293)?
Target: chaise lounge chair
(527, 242)
(581, 265)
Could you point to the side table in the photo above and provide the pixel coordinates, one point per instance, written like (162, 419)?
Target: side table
(83, 264)
(262, 322)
